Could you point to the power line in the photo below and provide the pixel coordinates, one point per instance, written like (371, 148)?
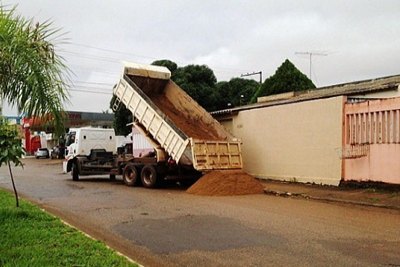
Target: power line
(135, 55)
(93, 88)
(93, 92)
(93, 57)
(95, 83)
(217, 69)
(93, 69)
(112, 51)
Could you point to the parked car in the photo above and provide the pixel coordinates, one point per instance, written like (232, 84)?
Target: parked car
(58, 152)
(42, 153)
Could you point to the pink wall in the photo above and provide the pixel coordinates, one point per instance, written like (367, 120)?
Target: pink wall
(382, 164)
(374, 124)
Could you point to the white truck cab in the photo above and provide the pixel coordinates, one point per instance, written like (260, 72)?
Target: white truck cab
(80, 142)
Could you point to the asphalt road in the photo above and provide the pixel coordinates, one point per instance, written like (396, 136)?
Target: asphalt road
(168, 227)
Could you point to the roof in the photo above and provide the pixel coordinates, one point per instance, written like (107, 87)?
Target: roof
(353, 88)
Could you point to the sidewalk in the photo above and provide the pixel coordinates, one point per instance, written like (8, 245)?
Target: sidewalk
(384, 198)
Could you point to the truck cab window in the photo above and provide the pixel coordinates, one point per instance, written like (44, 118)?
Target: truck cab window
(70, 138)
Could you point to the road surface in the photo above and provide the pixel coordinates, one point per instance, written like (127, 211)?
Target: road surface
(169, 227)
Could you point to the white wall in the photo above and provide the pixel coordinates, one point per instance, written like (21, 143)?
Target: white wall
(293, 142)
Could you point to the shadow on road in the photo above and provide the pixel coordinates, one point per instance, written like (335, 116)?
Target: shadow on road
(170, 185)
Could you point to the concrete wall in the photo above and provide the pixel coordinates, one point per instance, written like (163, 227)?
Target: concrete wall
(293, 142)
(374, 125)
(380, 165)
(227, 124)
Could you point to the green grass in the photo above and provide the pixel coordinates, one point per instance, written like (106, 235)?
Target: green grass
(31, 237)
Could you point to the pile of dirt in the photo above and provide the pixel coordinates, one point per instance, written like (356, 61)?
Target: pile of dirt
(226, 183)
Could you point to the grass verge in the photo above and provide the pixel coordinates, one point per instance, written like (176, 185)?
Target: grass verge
(31, 237)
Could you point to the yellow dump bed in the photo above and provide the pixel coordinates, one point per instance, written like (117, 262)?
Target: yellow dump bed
(187, 132)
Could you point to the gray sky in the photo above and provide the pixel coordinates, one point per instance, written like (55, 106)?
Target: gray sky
(361, 38)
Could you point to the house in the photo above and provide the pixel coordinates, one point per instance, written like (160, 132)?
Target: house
(337, 133)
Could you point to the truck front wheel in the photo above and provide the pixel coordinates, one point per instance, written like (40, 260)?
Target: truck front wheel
(75, 171)
(130, 175)
(149, 176)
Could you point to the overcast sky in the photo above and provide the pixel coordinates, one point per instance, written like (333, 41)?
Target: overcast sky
(360, 39)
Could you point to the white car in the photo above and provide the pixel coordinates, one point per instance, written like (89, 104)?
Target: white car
(42, 153)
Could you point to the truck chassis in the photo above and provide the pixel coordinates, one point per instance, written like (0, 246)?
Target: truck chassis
(134, 170)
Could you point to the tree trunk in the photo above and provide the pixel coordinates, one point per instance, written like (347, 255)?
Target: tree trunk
(15, 189)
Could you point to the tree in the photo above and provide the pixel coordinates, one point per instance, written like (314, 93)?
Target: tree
(31, 78)
(199, 82)
(32, 75)
(287, 78)
(122, 116)
(236, 92)
(172, 66)
(10, 149)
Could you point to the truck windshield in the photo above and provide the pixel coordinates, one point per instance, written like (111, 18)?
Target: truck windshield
(70, 138)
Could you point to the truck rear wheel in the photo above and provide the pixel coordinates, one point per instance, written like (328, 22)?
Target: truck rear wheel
(149, 176)
(75, 172)
(130, 175)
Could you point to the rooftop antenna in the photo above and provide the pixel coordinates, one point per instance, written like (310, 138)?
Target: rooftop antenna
(311, 54)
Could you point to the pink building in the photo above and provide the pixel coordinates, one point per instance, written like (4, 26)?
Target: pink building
(371, 150)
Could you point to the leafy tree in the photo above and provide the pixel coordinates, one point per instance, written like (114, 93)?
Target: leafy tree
(199, 82)
(223, 98)
(10, 149)
(287, 78)
(122, 117)
(172, 66)
(31, 78)
(32, 75)
(236, 92)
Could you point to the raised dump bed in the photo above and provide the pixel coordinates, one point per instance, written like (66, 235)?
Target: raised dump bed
(187, 132)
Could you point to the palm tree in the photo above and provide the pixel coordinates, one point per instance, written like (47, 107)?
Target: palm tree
(32, 76)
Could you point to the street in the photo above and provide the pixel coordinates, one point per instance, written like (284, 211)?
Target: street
(168, 227)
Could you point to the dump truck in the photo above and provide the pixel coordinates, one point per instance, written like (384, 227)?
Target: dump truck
(186, 139)
(94, 151)
(178, 127)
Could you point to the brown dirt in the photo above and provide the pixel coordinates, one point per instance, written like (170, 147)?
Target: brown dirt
(191, 126)
(226, 183)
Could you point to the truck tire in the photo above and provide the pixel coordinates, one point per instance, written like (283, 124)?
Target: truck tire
(149, 176)
(75, 171)
(130, 175)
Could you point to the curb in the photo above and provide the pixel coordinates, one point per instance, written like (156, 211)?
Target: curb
(326, 199)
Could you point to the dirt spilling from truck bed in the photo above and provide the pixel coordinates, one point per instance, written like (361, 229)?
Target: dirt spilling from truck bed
(226, 183)
(192, 127)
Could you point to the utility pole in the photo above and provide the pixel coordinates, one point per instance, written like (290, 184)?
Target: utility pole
(253, 73)
(311, 54)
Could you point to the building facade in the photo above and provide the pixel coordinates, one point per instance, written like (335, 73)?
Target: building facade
(333, 134)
